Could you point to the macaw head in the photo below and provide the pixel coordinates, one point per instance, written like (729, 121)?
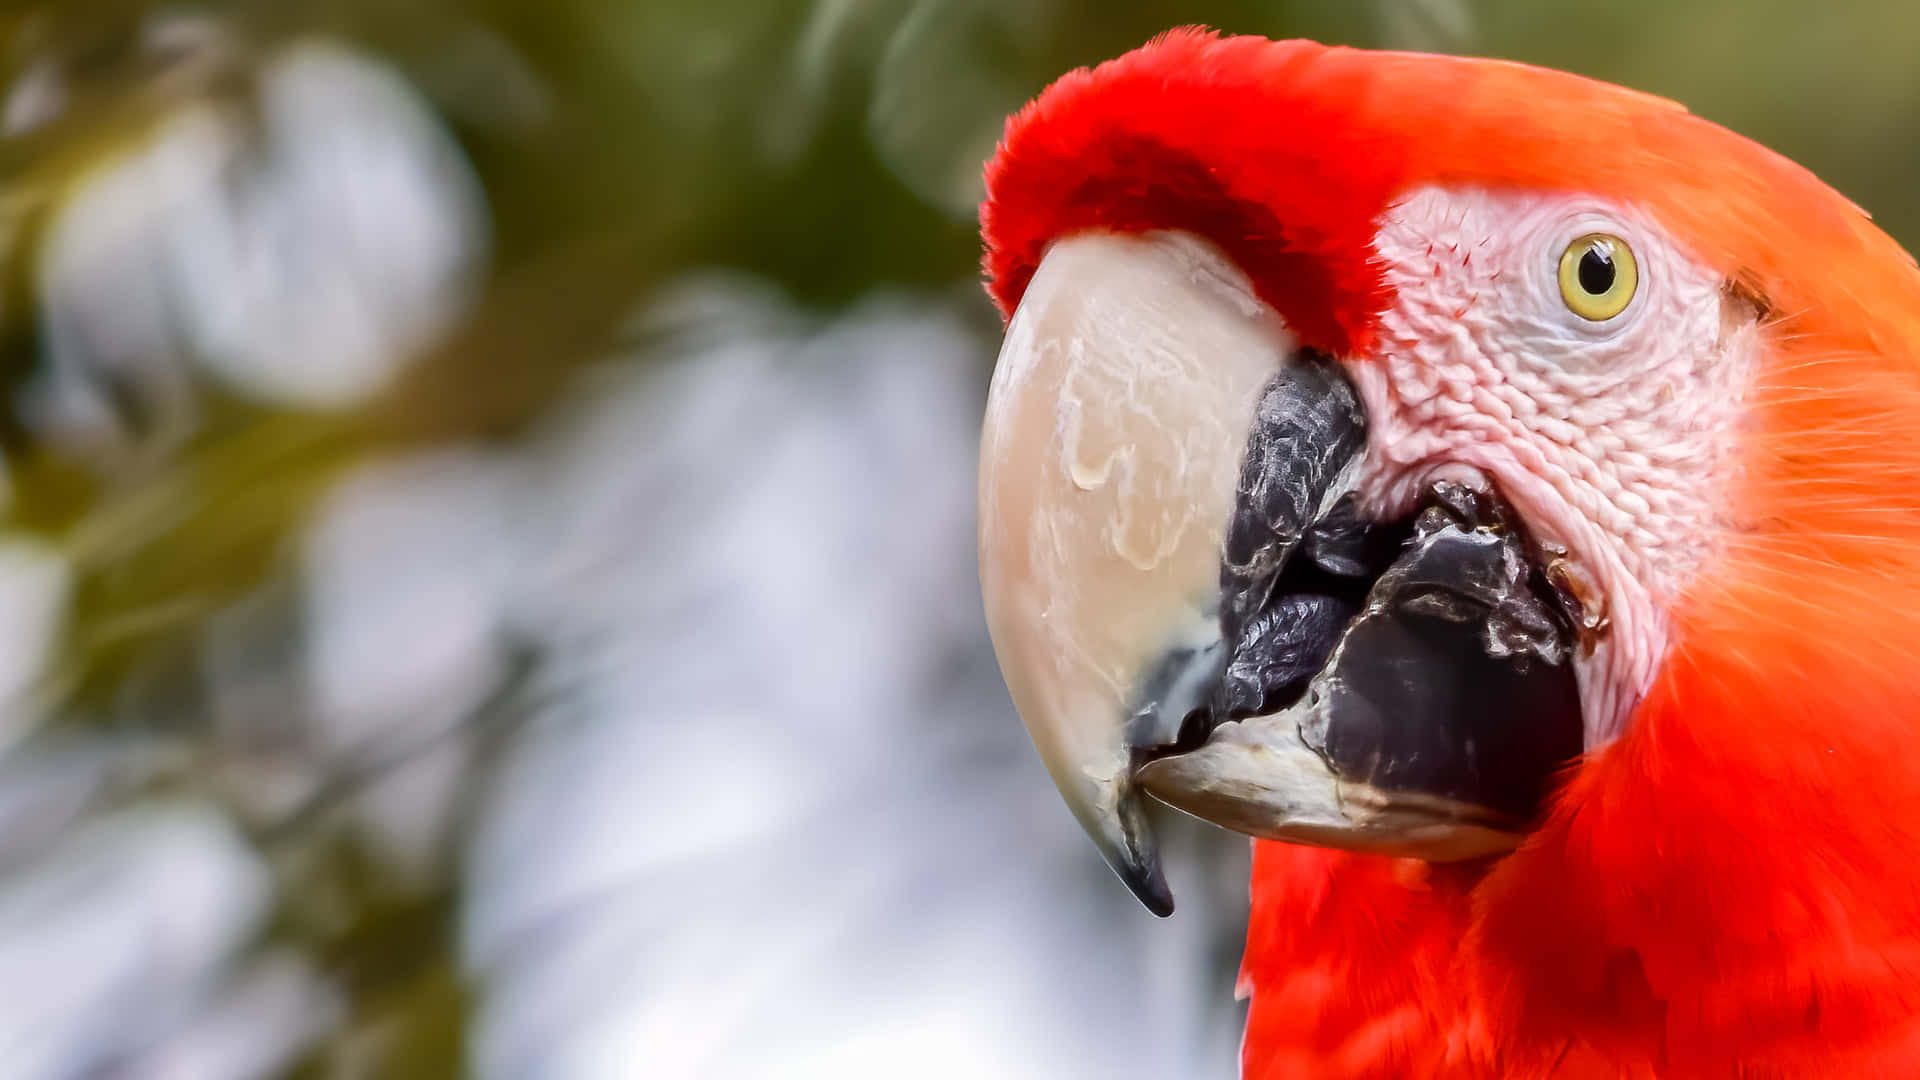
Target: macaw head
(1454, 459)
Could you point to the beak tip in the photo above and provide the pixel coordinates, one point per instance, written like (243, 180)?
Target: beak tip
(1149, 885)
(1125, 838)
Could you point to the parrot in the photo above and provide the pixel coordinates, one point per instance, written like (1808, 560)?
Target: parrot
(1496, 492)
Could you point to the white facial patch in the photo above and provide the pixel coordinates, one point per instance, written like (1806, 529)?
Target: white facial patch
(1613, 439)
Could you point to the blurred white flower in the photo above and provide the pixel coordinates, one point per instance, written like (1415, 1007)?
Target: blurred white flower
(347, 247)
(37, 95)
(267, 1014)
(404, 576)
(109, 945)
(301, 251)
(34, 586)
(46, 785)
(108, 292)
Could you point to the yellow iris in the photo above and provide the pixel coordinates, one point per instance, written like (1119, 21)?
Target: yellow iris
(1598, 276)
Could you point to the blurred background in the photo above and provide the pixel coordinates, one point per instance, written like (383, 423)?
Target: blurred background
(486, 565)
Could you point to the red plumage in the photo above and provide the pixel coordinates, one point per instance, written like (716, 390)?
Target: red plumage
(1726, 890)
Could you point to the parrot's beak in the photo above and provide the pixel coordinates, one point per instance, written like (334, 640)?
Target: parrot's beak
(1186, 600)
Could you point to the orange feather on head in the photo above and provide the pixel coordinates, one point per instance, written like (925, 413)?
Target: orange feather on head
(1730, 879)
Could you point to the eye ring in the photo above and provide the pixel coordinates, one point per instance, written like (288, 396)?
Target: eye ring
(1598, 276)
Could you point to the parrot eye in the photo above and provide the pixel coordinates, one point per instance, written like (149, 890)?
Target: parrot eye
(1598, 276)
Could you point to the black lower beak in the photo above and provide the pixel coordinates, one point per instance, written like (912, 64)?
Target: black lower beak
(1403, 687)
(1455, 680)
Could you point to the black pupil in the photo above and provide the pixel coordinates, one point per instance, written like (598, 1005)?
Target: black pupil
(1596, 269)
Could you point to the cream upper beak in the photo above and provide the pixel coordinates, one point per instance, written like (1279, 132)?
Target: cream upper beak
(1114, 429)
